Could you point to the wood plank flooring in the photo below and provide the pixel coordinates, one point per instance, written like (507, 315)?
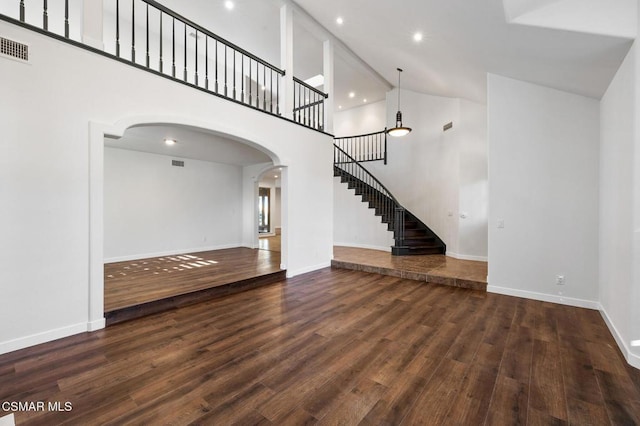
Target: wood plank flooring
(433, 268)
(137, 282)
(336, 347)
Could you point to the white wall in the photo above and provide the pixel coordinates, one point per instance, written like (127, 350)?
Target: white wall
(368, 118)
(152, 208)
(474, 181)
(618, 280)
(355, 224)
(543, 175)
(51, 178)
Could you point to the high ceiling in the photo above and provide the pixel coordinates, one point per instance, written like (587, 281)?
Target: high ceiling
(572, 45)
(463, 40)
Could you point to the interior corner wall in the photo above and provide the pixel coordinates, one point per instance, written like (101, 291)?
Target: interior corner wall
(152, 208)
(619, 168)
(543, 186)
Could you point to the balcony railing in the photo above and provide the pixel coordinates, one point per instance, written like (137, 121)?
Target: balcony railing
(367, 147)
(147, 34)
(308, 105)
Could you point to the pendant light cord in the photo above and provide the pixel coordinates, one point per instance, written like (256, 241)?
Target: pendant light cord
(399, 71)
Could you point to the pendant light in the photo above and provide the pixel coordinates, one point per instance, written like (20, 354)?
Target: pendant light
(399, 130)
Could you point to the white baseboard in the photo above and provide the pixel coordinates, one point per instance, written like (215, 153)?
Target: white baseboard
(169, 253)
(291, 274)
(467, 257)
(96, 325)
(38, 338)
(364, 246)
(632, 359)
(562, 300)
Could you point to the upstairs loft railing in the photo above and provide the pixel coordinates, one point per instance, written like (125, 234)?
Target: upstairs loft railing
(308, 104)
(367, 147)
(149, 35)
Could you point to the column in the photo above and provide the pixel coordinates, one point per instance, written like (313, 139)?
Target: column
(92, 12)
(286, 60)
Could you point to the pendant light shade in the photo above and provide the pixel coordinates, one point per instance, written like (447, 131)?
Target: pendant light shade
(399, 130)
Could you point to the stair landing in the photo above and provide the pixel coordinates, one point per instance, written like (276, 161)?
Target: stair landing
(437, 269)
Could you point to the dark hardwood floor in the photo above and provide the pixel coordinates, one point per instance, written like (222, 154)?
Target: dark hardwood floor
(336, 347)
(140, 281)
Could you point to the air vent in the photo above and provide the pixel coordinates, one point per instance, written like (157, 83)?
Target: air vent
(177, 163)
(13, 49)
(447, 126)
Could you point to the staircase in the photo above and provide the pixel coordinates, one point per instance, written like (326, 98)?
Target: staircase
(411, 235)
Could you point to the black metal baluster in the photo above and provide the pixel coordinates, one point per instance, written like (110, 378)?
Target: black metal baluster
(225, 70)
(257, 84)
(250, 84)
(271, 90)
(242, 78)
(173, 48)
(66, 18)
(45, 16)
(216, 66)
(118, 28)
(264, 90)
(385, 145)
(323, 115)
(21, 10)
(133, 31)
(161, 65)
(307, 109)
(234, 73)
(316, 111)
(206, 62)
(277, 95)
(147, 35)
(196, 75)
(184, 73)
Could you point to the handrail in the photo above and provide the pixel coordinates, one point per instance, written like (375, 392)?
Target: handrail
(308, 86)
(212, 35)
(357, 163)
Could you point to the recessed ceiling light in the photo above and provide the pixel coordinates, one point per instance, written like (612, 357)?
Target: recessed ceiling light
(352, 94)
(364, 100)
(229, 5)
(339, 20)
(417, 36)
(275, 176)
(339, 106)
(170, 142)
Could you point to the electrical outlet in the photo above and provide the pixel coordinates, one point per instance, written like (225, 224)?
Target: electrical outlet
(500, 223)
(560, 280)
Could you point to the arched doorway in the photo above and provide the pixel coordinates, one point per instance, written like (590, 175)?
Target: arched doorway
(99, 133)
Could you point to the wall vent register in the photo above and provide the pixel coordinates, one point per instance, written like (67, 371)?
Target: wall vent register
(177, 163)
(13, 49)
